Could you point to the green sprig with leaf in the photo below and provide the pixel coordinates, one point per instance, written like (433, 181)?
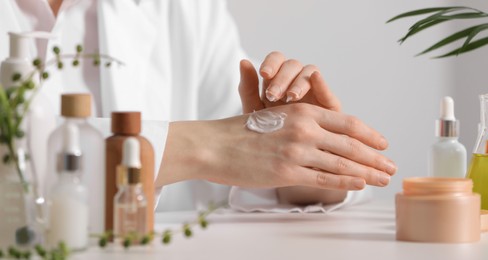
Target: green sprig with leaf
(166, 236)
(15, 101)
(439, 15)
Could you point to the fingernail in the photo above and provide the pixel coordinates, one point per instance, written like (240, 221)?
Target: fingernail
(390, 167)
(270, 97)
(273, 93)
(288, 98)
(358, 183)
(294, 93)
(266, 70)
(383, 179)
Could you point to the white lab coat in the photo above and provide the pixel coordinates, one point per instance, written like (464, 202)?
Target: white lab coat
(181, 63)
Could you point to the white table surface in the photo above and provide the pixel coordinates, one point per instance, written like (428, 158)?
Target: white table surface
(358, 232)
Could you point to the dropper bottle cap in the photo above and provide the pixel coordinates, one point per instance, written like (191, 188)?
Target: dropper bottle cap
(126, 123)
(76, 105)
(447, 125)
(130, 168)
(71, 154)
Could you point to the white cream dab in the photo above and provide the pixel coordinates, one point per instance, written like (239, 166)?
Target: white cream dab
(265, 121)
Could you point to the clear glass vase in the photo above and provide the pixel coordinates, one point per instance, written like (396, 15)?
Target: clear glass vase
(20, 208)
(478, 169)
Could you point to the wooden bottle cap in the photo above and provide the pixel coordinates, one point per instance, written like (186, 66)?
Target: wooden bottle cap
(126, 123)
(76, 105)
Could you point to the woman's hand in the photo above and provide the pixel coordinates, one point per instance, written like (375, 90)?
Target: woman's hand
(316, 147)
(284, 81)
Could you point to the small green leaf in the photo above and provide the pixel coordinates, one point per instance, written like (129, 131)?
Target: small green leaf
(187, 230)
(37, 62)
(26, 254)
(108, 64)
(127, 242)
(60, 65)
(166, 237)
(76, 63)
(40, 250)
(16, 77)
(45, 75)
(29, 85)
(145, 240)
(79, 48)
(102, 242)
(56, 50)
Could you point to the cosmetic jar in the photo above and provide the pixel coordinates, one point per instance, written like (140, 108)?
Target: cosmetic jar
(438, 210)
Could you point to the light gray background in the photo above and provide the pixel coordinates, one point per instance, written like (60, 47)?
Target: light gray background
(375, 78)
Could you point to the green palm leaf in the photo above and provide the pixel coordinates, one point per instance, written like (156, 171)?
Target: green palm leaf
(452, 38)
(475, 32)
(471, 46)
(422, 11)
(437, 19)
(437, 15)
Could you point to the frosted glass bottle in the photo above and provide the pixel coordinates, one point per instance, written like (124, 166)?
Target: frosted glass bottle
(67, 202)
(447, 155)
(76, 108)
(130, 204)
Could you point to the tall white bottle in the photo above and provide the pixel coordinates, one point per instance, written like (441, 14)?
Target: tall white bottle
(447, 155)
(76, 109)
(67, 202)
(37, 124)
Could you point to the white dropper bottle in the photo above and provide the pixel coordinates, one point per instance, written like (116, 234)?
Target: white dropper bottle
(68, 204)
(447, 155)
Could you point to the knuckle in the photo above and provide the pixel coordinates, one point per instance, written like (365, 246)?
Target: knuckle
(301, 108)
(294, 63)
(353, 146)
(311, 67)
(352, 124)
(341, 165)
(275, 54)
(291, 152)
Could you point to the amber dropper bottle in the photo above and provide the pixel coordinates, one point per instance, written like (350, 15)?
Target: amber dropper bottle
(126, 125)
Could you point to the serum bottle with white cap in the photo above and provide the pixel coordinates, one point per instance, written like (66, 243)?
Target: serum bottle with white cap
(130, 202)
(447, 155)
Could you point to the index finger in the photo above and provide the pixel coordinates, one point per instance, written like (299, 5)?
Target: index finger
(271, 64)
(340, 123)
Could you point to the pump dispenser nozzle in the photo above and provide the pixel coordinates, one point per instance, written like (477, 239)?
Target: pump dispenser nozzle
(19, 59)
(19, 42)
(447, 125)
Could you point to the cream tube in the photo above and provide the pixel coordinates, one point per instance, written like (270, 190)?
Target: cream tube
(265, 121)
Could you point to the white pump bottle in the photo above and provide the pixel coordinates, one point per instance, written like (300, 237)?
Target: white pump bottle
(447, 155)
(39, 122)
(41, 117)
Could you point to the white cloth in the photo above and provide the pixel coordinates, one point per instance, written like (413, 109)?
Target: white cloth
(181, 63)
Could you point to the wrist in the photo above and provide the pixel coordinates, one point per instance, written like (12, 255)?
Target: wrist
(185, 156)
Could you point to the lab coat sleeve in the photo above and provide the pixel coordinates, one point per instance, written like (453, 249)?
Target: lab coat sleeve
(219, 62)
(266, 200)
